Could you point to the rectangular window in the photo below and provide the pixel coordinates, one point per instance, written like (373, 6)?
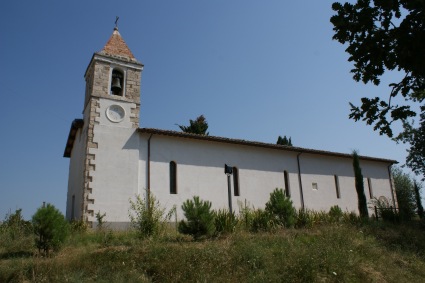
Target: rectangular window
(315, 186)
(173, 177)
(338, 192)
(287, 189)
(369, 184)
(236, 181)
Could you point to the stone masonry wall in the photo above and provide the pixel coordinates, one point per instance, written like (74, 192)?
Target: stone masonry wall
(89, 163)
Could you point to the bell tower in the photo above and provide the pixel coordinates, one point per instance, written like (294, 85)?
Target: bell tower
(99, 145)
(115, 74)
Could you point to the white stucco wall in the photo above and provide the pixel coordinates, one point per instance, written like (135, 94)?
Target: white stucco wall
(121, 172)
(200, 166)
(200, 172)
(76, 178)
(115, 178)
(321, 169)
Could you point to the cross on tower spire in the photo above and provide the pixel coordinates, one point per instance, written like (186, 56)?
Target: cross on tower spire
(116, 22)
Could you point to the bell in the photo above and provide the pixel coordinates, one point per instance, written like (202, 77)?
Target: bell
(116, 85)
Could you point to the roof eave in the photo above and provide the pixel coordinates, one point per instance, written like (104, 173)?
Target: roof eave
(75, 125)
(259, 144)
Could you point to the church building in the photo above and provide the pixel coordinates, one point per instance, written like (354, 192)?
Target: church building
(112, 159)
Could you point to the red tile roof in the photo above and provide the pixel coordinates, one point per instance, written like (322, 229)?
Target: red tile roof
(116, 46)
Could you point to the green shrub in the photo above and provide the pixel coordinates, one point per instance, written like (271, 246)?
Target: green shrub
(50, 228)
(262, 220)
(225, 222)
(351, 218)
(15, 234)
(199, 218)
(147, 218)
(335, 214)
(303, 218)
(246, 215)
(281, 208)
(100, 221)
(78, 226)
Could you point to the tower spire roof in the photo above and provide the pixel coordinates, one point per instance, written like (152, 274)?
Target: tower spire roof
(117, 47)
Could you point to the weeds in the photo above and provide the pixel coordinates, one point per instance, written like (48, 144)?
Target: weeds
(376, 251)
(147, 216)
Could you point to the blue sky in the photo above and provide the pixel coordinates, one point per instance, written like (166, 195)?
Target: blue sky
(256, 70)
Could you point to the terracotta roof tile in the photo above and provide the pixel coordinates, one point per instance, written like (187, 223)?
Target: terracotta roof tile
(116, 46)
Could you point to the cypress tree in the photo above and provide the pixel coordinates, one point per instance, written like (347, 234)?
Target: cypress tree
(360, 186)
(418, 200)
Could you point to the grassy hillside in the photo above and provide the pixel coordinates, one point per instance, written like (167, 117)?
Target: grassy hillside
(372, 252)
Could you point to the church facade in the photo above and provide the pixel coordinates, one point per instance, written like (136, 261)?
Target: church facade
(112, 160)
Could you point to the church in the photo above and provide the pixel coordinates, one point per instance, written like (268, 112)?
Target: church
(112, 159)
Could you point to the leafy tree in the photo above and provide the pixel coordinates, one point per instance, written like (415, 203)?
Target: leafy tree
(284, 141)
(405, 192)
(198, 126)
(416, 138)
(364, 213)
(199, 216)
(50, 228)
(387, 35)
(281, 208)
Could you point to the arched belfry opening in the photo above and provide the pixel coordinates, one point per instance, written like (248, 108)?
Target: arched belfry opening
(117, 83)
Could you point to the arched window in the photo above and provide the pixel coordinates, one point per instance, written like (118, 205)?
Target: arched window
(236, 181)
(117, 83)
(173, 177)
(287, 189)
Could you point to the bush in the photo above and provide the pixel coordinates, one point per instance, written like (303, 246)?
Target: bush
(352, 218)
(246, 214)
(78, 226)
(384, 209)
(335, 214)
(200, 218)
(15, 234)
(225, 222)
(147, 218)
(50, 228)
(262, 220)
(281, 208)
(303, 218)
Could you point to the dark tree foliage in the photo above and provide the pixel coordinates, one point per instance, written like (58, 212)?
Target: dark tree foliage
(416, 153)
(387, 35)
(362, 203)
(198, 126)
(284, 141)
(404, 189)
(419, 206)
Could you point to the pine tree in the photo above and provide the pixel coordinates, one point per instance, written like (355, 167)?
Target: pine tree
(284, 141)
(198, 126)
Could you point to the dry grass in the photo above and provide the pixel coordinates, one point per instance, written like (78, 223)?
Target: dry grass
(373, 252)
